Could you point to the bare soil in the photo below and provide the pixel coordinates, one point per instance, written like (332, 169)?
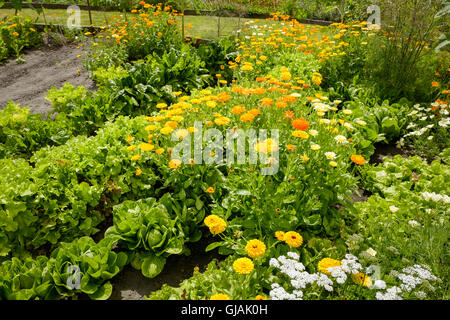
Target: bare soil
(49, 66)
(130, 284)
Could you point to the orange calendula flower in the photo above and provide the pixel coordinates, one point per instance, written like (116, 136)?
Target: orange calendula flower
(135, 157)
(210, 190)
(238, 109)
(300, 124)
(358, 159)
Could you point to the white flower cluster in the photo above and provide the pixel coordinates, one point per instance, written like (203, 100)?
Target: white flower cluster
(299, 278)
(435, 197)
(349, 265)
(410, 278)
(390, 294)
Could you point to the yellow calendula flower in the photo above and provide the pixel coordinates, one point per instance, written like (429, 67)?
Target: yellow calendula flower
(255, 248)
(159, 150)
(166, 130)
(146, 147)
(305, 158)
(210, 190)
(175, 163)
(136, 157)
(129, 139)
(326, 263)
(211, 104)
(138, 172)
(362, 279)
(181, 133)
(293, 239)
(219, 296)
(280, 235)
(300, 134)
(131, 148)
(222, 121)
(260, 297)
(215, 224)
(333, 164)
(243, 265)
(161, 105)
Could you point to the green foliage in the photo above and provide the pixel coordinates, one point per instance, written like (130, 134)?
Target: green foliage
(22, 133)
(398, 173)
(17, 34)
(146, 229)
(25, 280)
(216, 56)
(154, 80)
(97, 263)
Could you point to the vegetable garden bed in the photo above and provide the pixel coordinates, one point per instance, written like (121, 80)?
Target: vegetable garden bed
(285, 151)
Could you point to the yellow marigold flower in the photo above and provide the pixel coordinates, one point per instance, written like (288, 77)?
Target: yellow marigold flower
(362, 279)
(159, 150)
(129, 139)
(293, 239)
(166, 130)
(219, 296)
(223, 121)
(243, 265)
(300, 134)
(255, 248)
(285, 76)
(181, 133)
(215, 224)
(175, 163)
(146, 147)
(280, 235)
(326, 263)
(247, 67)
(135, 157)
(211, 104)
(260, 297)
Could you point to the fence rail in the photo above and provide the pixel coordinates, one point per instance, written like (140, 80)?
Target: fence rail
(216, 13)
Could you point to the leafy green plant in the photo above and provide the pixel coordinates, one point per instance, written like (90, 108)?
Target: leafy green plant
(95, 263)
(145, 228)
(25, 280)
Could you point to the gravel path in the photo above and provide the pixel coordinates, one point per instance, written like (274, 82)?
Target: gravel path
(28, 83)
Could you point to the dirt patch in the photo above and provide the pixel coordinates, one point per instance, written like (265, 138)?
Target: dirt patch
(383, 150)
(28, 83)
(130, 284)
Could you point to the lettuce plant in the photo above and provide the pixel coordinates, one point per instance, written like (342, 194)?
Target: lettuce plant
(146, 228)
(93, 264)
